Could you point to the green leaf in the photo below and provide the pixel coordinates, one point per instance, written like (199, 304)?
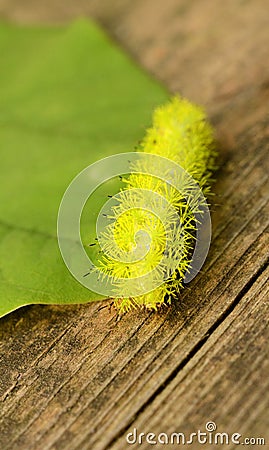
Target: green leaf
(68, 98)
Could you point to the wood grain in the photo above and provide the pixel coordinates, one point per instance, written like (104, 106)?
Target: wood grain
(220, 382)
(73, 377)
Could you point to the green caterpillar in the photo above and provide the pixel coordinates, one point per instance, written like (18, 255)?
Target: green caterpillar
(181, 133)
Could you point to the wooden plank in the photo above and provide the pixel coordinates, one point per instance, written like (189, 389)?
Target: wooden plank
(72, 377)
(225, 381)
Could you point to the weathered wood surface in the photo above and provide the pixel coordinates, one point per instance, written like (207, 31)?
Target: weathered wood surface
(74, 378)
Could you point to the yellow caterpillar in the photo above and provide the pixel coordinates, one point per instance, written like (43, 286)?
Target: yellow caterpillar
(181, 133)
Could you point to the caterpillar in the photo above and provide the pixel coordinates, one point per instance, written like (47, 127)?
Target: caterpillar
(163, 237)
